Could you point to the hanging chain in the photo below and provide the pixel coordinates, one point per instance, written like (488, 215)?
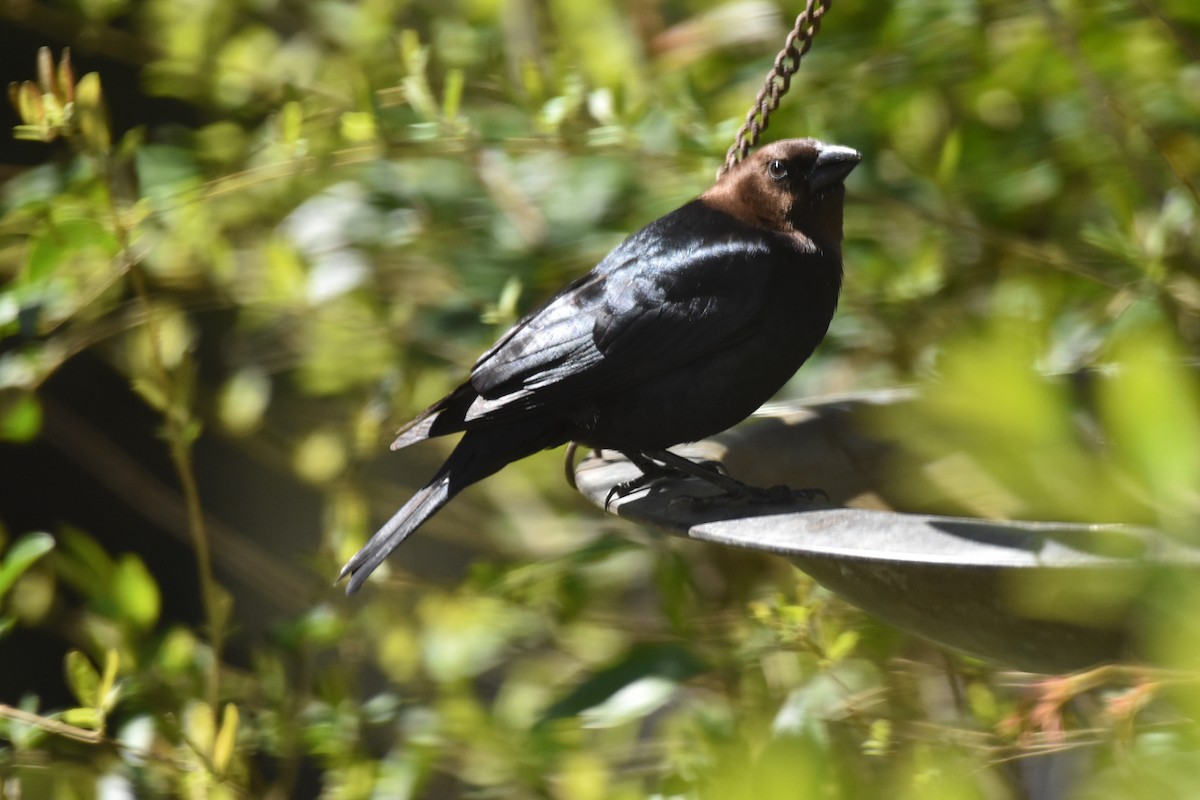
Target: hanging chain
(779, 80)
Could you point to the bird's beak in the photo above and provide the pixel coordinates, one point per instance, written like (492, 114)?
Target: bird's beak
(832, 166)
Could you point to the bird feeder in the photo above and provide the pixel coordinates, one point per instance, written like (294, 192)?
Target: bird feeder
(957, 581)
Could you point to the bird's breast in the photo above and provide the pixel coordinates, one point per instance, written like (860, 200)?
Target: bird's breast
(722, 386)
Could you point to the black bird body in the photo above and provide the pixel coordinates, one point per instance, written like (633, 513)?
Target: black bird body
(682, 331)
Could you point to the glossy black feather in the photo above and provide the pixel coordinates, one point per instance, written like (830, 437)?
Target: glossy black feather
(682, 331)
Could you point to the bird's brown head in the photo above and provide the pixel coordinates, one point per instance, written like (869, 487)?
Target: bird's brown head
(795, 186)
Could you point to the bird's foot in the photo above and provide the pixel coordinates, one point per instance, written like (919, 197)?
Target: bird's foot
(652, 473)
(659, 465)
(755, 495)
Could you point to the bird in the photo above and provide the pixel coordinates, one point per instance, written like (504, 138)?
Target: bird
(682, 331)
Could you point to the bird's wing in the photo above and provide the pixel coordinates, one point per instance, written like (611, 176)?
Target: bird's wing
(545, 341)
(656, 303)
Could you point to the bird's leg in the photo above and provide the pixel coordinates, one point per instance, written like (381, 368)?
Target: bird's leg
(657, 465)
(651, 471)
(711, 471)
(569, 464)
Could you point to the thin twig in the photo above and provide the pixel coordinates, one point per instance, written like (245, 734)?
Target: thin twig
(54, 726)
(179, 438)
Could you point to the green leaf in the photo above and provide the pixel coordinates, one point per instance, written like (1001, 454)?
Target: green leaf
(226, 738)
(83, 564)
(830, 695)
(90, 718)
(28, 133)
(83, 679)
(636, 684)
(842, 646)
(75, 235)
(244, 399)
(108, 684)
(671, 577)
(631, 702)
(1150, 408)
(24, 551)
(66, 77)
(291, 123)
(164, 171)
(358, 126)
(91, 114)
(47, 79)
(21, 421)
(178, 652)
(135, 592)
(198, 725)
(452, 93)
(29, 106)
(37, 186)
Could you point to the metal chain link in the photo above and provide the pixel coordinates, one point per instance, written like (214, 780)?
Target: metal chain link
(779, 80)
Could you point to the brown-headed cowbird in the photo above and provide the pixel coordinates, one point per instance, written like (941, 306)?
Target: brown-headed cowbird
(680, 332)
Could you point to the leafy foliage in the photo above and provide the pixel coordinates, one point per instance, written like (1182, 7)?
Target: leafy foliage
(378, 187)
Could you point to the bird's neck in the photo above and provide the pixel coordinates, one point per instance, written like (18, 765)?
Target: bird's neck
(815, 223)
(819, 221)
(745, 207)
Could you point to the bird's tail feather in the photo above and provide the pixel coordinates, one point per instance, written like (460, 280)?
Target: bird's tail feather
(479, 454)
(423, 505)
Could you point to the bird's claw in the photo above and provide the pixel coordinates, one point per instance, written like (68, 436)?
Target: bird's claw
(643, 481)
(754, 495)
(662, 464)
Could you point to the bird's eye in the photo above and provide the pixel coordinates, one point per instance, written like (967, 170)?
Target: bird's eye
(776, 169)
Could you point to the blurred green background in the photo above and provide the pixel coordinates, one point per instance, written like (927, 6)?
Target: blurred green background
(242, 241)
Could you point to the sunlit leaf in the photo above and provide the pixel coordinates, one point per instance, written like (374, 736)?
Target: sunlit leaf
(108, 683)
(66, 76)
(223, 745)
(29, 133)
(1152, 405)
(463, 635)
(83, 717)
(91, 114)
(178, 652)
(243, 399)
(47, 78)
(452, 94)
(842, 646)
(165, 172)
(291, 123)
(584, 776)
(320, 456)
(200, 726)
(21, 420)
(57, 248)
(358, 126)
(29, 105)
(630, 703)
(638, 683)
(83, 679)
(828, 696)
(20, 555)
(135, 591)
